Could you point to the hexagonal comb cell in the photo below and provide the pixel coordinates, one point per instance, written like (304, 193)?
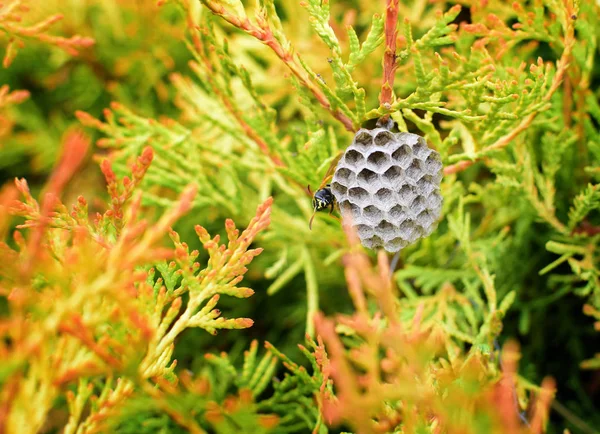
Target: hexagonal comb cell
(393, 175)
(384, 227)
(364, 231)
(373, 242)
(354, 158)
(433, 164)
(421, 150)
(384, 196)
(388, 184)
(344, 177)
(341, 188)
(360, 195)
(348, 208)
(395, 244)
(406, 194)
(425, 185)
(363, 139)
(383, 138)
(415, 170)
(378, 159)
(418, 205)
(366, 176)
(372, 213)
(425, 218)
(397, 213)
(403, 156)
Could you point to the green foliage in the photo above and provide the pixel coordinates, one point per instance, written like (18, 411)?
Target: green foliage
(242, 101)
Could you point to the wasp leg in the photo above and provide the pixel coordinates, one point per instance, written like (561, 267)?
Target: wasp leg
(311, 220)
(331, 213)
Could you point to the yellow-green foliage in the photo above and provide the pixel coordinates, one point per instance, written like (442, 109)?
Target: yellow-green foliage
(206, 110)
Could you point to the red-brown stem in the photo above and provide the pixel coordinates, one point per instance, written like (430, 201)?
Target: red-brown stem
(389, 57)
(265, 35)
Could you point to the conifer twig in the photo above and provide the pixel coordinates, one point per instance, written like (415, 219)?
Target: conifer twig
(235, 112)
(10, 24)
(561, 68)
(264, 33)
(389, 58)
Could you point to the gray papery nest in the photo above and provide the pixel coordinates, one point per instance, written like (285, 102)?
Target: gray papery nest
(388, 187)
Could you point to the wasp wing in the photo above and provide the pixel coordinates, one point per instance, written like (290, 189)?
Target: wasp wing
(331, 169)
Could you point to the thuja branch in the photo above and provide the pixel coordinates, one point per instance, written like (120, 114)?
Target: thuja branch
(11, 15)
(389, 58)
(561, 68)
(227, 103)
(263, 32)
(235, 112)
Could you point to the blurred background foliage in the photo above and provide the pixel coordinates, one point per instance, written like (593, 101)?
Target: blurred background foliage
(520, 138)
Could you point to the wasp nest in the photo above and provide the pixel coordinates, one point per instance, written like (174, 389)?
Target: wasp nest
(388, 185)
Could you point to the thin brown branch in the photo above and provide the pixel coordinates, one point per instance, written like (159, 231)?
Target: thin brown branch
(389, 57)
(264, 33)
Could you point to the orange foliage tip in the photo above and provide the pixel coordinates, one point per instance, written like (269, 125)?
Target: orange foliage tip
(75, 147)
(18, 296)
(88, 120)
(230, 227)
(202, 233)
(19, 239)
(268, 421)
(106, 169)
(243, 323)
(246, 396)
(186, 199)
(213, 413)
(542, 406)
(116, 105)
(245, 292)
(14, 97)
(176, 305)
(8, 194)
(147, 156)
(108, 115)
(265, 206)
(588, 309)
(475, 28)
(82, 41)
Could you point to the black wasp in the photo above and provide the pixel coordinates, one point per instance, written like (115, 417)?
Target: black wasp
(323, 197)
